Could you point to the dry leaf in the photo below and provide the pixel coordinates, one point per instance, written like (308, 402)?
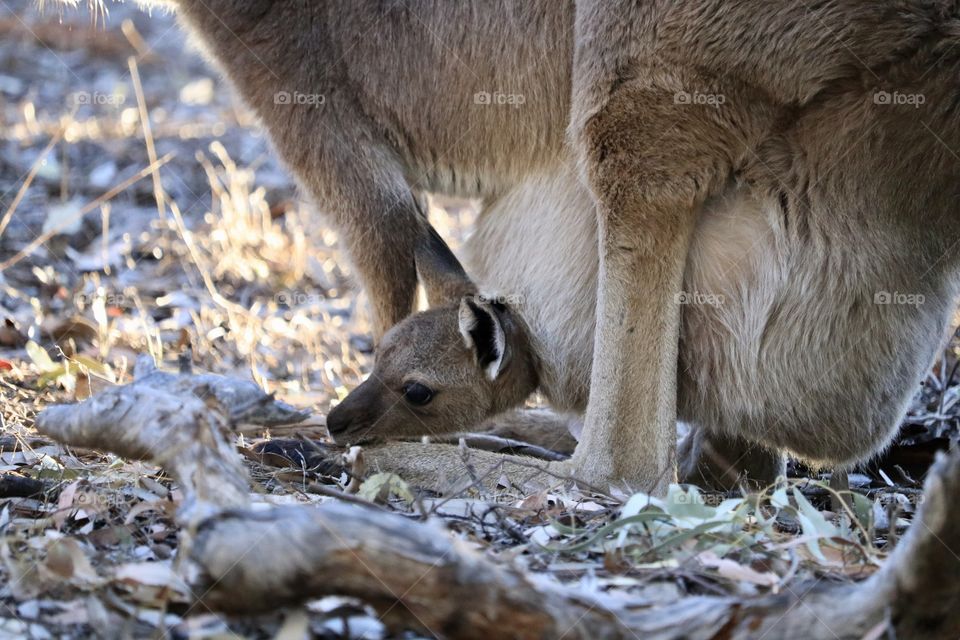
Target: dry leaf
(66, 559)
(65, 503)
(153, 574)
(163, 506)
(733, 570)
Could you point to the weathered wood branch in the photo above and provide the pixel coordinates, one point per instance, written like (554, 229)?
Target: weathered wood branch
(420, 578)
(181, 427)
(417, 576)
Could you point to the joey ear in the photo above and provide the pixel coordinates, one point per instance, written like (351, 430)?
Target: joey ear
(482, 331)
(441, 273)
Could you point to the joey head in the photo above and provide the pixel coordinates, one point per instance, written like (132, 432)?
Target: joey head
(441, 371)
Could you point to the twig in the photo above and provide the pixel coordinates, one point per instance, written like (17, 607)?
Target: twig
(330, 492)
(29, 180)
(566, 478)
(226, 305)
(43, 237)
(147, 134)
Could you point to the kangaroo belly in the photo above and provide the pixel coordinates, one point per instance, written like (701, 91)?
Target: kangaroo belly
(537, 244)
(784, 337)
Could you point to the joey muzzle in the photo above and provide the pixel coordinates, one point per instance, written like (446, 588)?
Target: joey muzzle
(354, 419)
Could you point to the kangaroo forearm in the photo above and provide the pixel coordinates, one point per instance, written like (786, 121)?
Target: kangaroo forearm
(338, 156)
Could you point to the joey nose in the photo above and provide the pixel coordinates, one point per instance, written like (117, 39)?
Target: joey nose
(338, 422)
(355, 414)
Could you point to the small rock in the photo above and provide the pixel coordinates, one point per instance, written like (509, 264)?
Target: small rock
(102, 176)
(11, 86)
(197, 93)
(29, 610)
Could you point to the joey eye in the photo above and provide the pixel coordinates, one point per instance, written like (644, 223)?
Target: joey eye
(416, 393)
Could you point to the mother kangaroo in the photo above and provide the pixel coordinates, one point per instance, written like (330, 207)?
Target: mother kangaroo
(803, 153)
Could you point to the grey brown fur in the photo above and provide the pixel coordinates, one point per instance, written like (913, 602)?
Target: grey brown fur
(798, 199)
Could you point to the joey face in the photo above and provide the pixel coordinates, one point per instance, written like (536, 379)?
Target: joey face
(440, 371)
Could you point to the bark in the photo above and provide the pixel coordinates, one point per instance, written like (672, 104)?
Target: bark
(417, 576)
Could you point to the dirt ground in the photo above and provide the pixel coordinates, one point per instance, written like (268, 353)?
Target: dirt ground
(142, 211)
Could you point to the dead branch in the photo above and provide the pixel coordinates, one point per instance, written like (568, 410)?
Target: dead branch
(246, 401)
(182, 428)
(418, 577)
(500, 444)
(13, 485)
